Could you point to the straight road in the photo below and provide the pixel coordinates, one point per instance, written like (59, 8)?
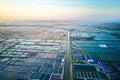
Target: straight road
(67, 67)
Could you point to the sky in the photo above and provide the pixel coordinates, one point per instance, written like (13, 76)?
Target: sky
(60, 10)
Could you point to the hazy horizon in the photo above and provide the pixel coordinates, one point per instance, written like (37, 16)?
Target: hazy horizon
(82, 10)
